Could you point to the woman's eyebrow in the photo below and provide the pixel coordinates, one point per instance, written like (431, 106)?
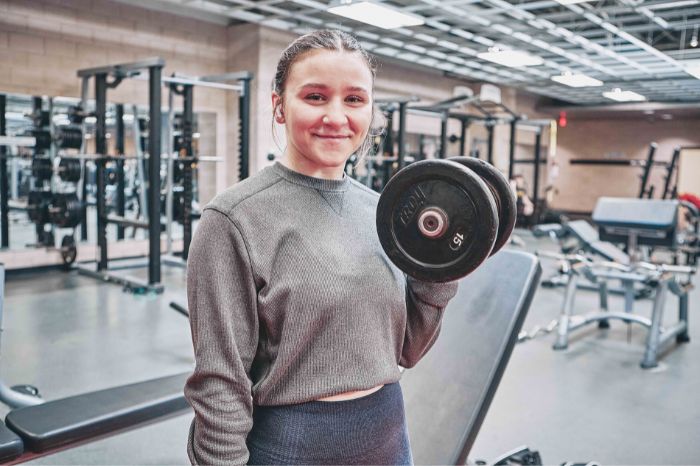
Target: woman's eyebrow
(357, 89)
(324, 86)
(314, 85)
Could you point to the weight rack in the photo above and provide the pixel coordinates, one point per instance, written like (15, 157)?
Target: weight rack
(118, 73)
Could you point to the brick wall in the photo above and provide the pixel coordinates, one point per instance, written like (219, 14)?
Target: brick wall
(44, 42)
(579, 186)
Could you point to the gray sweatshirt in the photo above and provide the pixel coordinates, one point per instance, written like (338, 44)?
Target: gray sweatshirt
(292, 299)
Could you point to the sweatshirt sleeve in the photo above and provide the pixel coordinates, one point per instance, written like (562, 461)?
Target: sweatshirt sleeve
(425, 303)
(222, 301)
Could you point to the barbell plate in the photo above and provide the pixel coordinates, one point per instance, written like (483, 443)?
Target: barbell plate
(470, 212)
(502, 194)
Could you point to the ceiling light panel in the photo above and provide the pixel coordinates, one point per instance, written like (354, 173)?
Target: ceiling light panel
(577, 80)
(619, 95)
(376, 14)
(511, 58)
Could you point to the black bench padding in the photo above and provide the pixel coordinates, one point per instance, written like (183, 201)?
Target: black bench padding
(653, 221)
(11, 446)
(448, 393)
(83, 417)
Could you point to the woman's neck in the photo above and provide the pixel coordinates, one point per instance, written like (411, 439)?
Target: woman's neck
(312, 169)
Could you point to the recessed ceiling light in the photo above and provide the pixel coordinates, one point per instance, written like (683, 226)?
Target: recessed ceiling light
(512, 58)
(619, 95)
(577, 80)
(376, 14)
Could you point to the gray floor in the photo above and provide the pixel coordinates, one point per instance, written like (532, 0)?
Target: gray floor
(68, 334)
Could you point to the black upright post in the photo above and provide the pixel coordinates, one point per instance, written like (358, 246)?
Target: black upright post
(388, 148)
(443, 134)
(402, 135)
(187, 130)
(4, 188)
(647, 169)
(101, 151)
(463, 138)
(536, 183)
(244, 126)
(669, 173)
(489, 126)
(511, 152)
(121, 182)
(154, 127)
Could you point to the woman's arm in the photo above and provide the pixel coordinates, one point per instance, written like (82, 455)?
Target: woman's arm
(425, 303)
(222, 301)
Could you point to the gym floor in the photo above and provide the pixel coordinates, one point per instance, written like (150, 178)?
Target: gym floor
(68, 334)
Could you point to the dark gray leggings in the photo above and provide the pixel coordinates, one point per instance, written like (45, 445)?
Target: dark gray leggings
(367, 430)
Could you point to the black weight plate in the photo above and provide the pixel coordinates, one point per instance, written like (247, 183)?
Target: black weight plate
(69, 137)
(69, 170)
(69, 250)
(66, 210)
(502, 194)
(471, 227)
(42, 168)
(38, 206)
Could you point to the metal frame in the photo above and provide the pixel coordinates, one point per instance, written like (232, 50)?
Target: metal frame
(662, 279)
(153, 226)
(184, 86)
(627, 44)
(4, 188)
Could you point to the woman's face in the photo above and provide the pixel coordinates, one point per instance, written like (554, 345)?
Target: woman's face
(326, 110)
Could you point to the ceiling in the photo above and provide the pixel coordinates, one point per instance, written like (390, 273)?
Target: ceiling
(636, 45)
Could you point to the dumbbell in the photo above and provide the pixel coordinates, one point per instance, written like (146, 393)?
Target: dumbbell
(438, 220)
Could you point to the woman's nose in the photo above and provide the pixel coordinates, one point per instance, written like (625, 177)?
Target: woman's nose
(335, 115)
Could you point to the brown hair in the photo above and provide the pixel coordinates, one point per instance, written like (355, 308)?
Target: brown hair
(333, 40)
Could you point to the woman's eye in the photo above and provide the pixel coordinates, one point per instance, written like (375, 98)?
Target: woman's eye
(355, 99)
(315, 97)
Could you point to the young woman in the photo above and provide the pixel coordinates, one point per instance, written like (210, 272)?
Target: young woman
(299, 320)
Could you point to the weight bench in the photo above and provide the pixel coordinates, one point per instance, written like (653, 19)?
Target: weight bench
(449, 392)
(588, 241)
(11, 445)
(65, 423)
(636, 222)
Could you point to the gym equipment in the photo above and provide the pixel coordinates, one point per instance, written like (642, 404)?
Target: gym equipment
(69, 137)
(38, 206)
(437, 220)
(448, 394)
(42, 168)
(502, 194)
(69, 251)
(65, 210)
(646, 191)
(637, 222)
(182, 162)
(37, 428)
(580, 237)
(118, 73)
(69, 170)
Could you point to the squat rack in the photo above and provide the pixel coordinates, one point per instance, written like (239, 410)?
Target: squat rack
(118, 73)
(183, 86)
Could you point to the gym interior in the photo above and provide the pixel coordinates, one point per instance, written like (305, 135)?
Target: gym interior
(571, 341)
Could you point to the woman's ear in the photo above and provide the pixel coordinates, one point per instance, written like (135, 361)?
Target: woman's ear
(278, 113)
